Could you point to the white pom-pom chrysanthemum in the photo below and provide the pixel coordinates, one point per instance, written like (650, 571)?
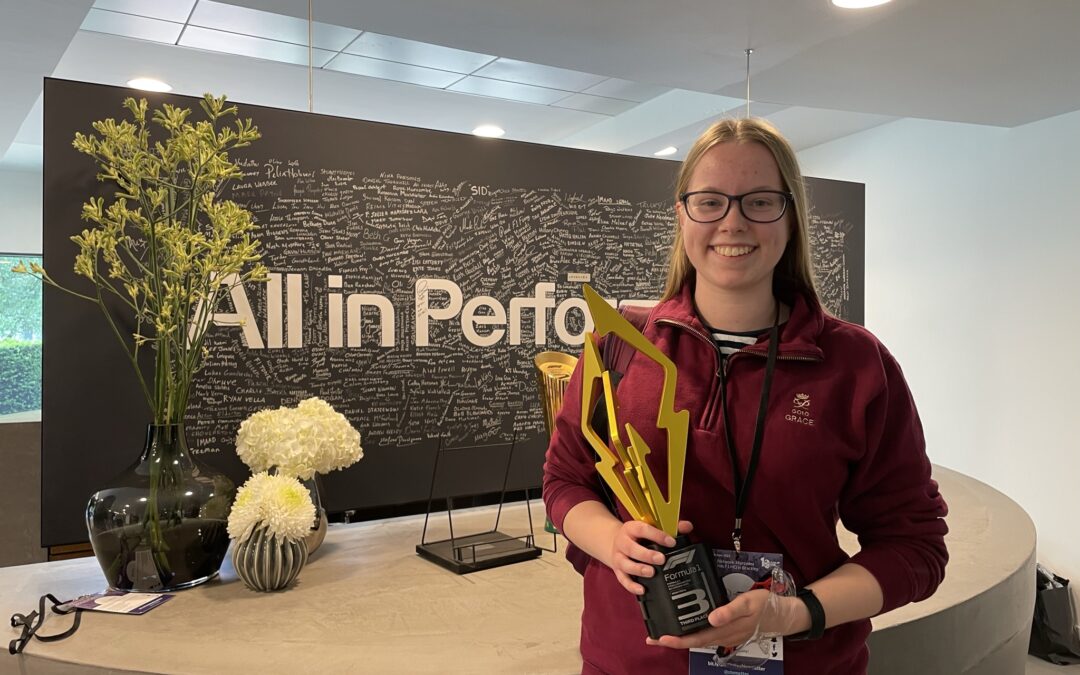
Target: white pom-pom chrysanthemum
(302, 441)
(281, 503)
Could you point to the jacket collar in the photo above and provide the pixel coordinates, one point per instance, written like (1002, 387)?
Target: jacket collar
(799, 336)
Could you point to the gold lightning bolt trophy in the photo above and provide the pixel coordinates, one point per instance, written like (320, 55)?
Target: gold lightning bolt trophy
(684, 589)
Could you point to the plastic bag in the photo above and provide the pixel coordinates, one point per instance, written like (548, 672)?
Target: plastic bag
(1053, 630)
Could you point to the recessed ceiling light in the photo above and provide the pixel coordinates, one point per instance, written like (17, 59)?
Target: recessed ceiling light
(669, 150)
(149, 84)
(858, 4)
(488, 131)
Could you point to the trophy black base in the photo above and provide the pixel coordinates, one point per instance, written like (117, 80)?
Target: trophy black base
(682, 592)
(475, 552)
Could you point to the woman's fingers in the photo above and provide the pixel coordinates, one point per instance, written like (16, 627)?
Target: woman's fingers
(739, 608)
(702, 638)
(732, 635)
(628, 583)
(628, 565)
(628, 543)
(631, 557)
(730, 625)
(635, 551)
(639, 530)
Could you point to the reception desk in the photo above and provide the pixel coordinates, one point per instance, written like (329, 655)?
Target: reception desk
(366, 603)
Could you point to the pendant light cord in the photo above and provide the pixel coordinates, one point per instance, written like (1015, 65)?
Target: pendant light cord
(748, 53)
(310, 53)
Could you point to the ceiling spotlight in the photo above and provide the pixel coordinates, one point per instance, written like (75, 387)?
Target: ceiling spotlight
(488, 131)
(858, 4)
(669, 150)
(149, 84)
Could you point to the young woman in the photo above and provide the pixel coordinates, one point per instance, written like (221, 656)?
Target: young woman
(841, 436)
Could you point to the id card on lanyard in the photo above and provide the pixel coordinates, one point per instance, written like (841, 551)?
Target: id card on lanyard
(741, 571)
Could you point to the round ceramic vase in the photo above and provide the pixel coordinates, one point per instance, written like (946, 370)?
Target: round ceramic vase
(266, 563)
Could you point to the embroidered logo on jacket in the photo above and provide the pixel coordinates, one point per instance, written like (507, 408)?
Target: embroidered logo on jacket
(800, 410)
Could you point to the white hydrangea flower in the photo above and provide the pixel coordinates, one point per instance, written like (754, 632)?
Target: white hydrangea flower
(279, 502)
(259, 435)
(302, 441)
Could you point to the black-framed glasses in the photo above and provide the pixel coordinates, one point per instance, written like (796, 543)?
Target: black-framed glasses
(760, 206)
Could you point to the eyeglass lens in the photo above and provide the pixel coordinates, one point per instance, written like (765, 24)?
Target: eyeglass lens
(759, 207)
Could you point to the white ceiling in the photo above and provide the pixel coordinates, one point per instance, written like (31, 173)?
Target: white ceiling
(629, 76)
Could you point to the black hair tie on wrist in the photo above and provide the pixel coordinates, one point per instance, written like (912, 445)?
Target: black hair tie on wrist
(817, 616)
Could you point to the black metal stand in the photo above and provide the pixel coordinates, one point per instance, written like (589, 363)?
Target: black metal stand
(479, 551)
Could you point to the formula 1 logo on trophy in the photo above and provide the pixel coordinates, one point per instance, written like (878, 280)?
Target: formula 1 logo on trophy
(680, 595)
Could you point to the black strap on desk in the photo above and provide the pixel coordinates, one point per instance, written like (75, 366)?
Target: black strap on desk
(32, 622)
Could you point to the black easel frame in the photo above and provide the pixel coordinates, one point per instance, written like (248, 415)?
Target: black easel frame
(483, 550)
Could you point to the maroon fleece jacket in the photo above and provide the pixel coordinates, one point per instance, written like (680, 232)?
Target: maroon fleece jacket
(842, 441)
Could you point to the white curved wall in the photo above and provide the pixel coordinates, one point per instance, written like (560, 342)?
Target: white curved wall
(971, 277)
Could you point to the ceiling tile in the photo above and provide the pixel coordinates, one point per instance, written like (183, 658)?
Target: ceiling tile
(613, 87)
(221, 16)
(509, 90)
(176, 10)
(806, 127)
(537, 75)
(129, 25)
(389, 70)
(596, 104)
(683, 137)
(391, 48)
(245, 45)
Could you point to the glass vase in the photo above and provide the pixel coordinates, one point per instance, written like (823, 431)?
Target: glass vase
(317, 534)
(161, 525)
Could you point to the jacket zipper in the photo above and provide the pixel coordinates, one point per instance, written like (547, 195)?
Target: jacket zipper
(721, 371)
(714, 390)
(779, 357)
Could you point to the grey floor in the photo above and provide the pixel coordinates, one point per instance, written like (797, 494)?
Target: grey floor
(1039, 667)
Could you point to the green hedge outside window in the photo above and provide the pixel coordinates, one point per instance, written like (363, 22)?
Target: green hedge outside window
(20, 337)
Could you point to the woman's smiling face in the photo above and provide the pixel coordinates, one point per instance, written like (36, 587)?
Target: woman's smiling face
(735, 255)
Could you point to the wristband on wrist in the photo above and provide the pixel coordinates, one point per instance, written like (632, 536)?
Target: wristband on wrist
(817, 616)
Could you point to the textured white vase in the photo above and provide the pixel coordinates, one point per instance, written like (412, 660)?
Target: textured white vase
(266, 563)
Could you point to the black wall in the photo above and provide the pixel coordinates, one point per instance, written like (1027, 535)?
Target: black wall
(382, 207)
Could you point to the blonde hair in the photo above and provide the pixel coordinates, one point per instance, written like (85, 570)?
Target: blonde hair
(795, 272)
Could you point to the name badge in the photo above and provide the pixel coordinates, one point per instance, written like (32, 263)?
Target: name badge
(740, 572)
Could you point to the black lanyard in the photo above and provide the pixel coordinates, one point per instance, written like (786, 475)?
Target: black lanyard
(742, 485)
(31, 622)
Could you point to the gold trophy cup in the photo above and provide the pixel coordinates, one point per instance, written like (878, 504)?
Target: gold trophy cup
(553, 370)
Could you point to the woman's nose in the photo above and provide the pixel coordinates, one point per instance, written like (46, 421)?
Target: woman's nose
(734, 221)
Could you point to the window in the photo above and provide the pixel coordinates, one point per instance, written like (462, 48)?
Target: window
(20, 341)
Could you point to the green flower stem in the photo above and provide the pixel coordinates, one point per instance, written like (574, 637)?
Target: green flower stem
(134, 258)
(46, 279)
(101, 282)
(151, 522)
(131, 355)
(165, 244)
